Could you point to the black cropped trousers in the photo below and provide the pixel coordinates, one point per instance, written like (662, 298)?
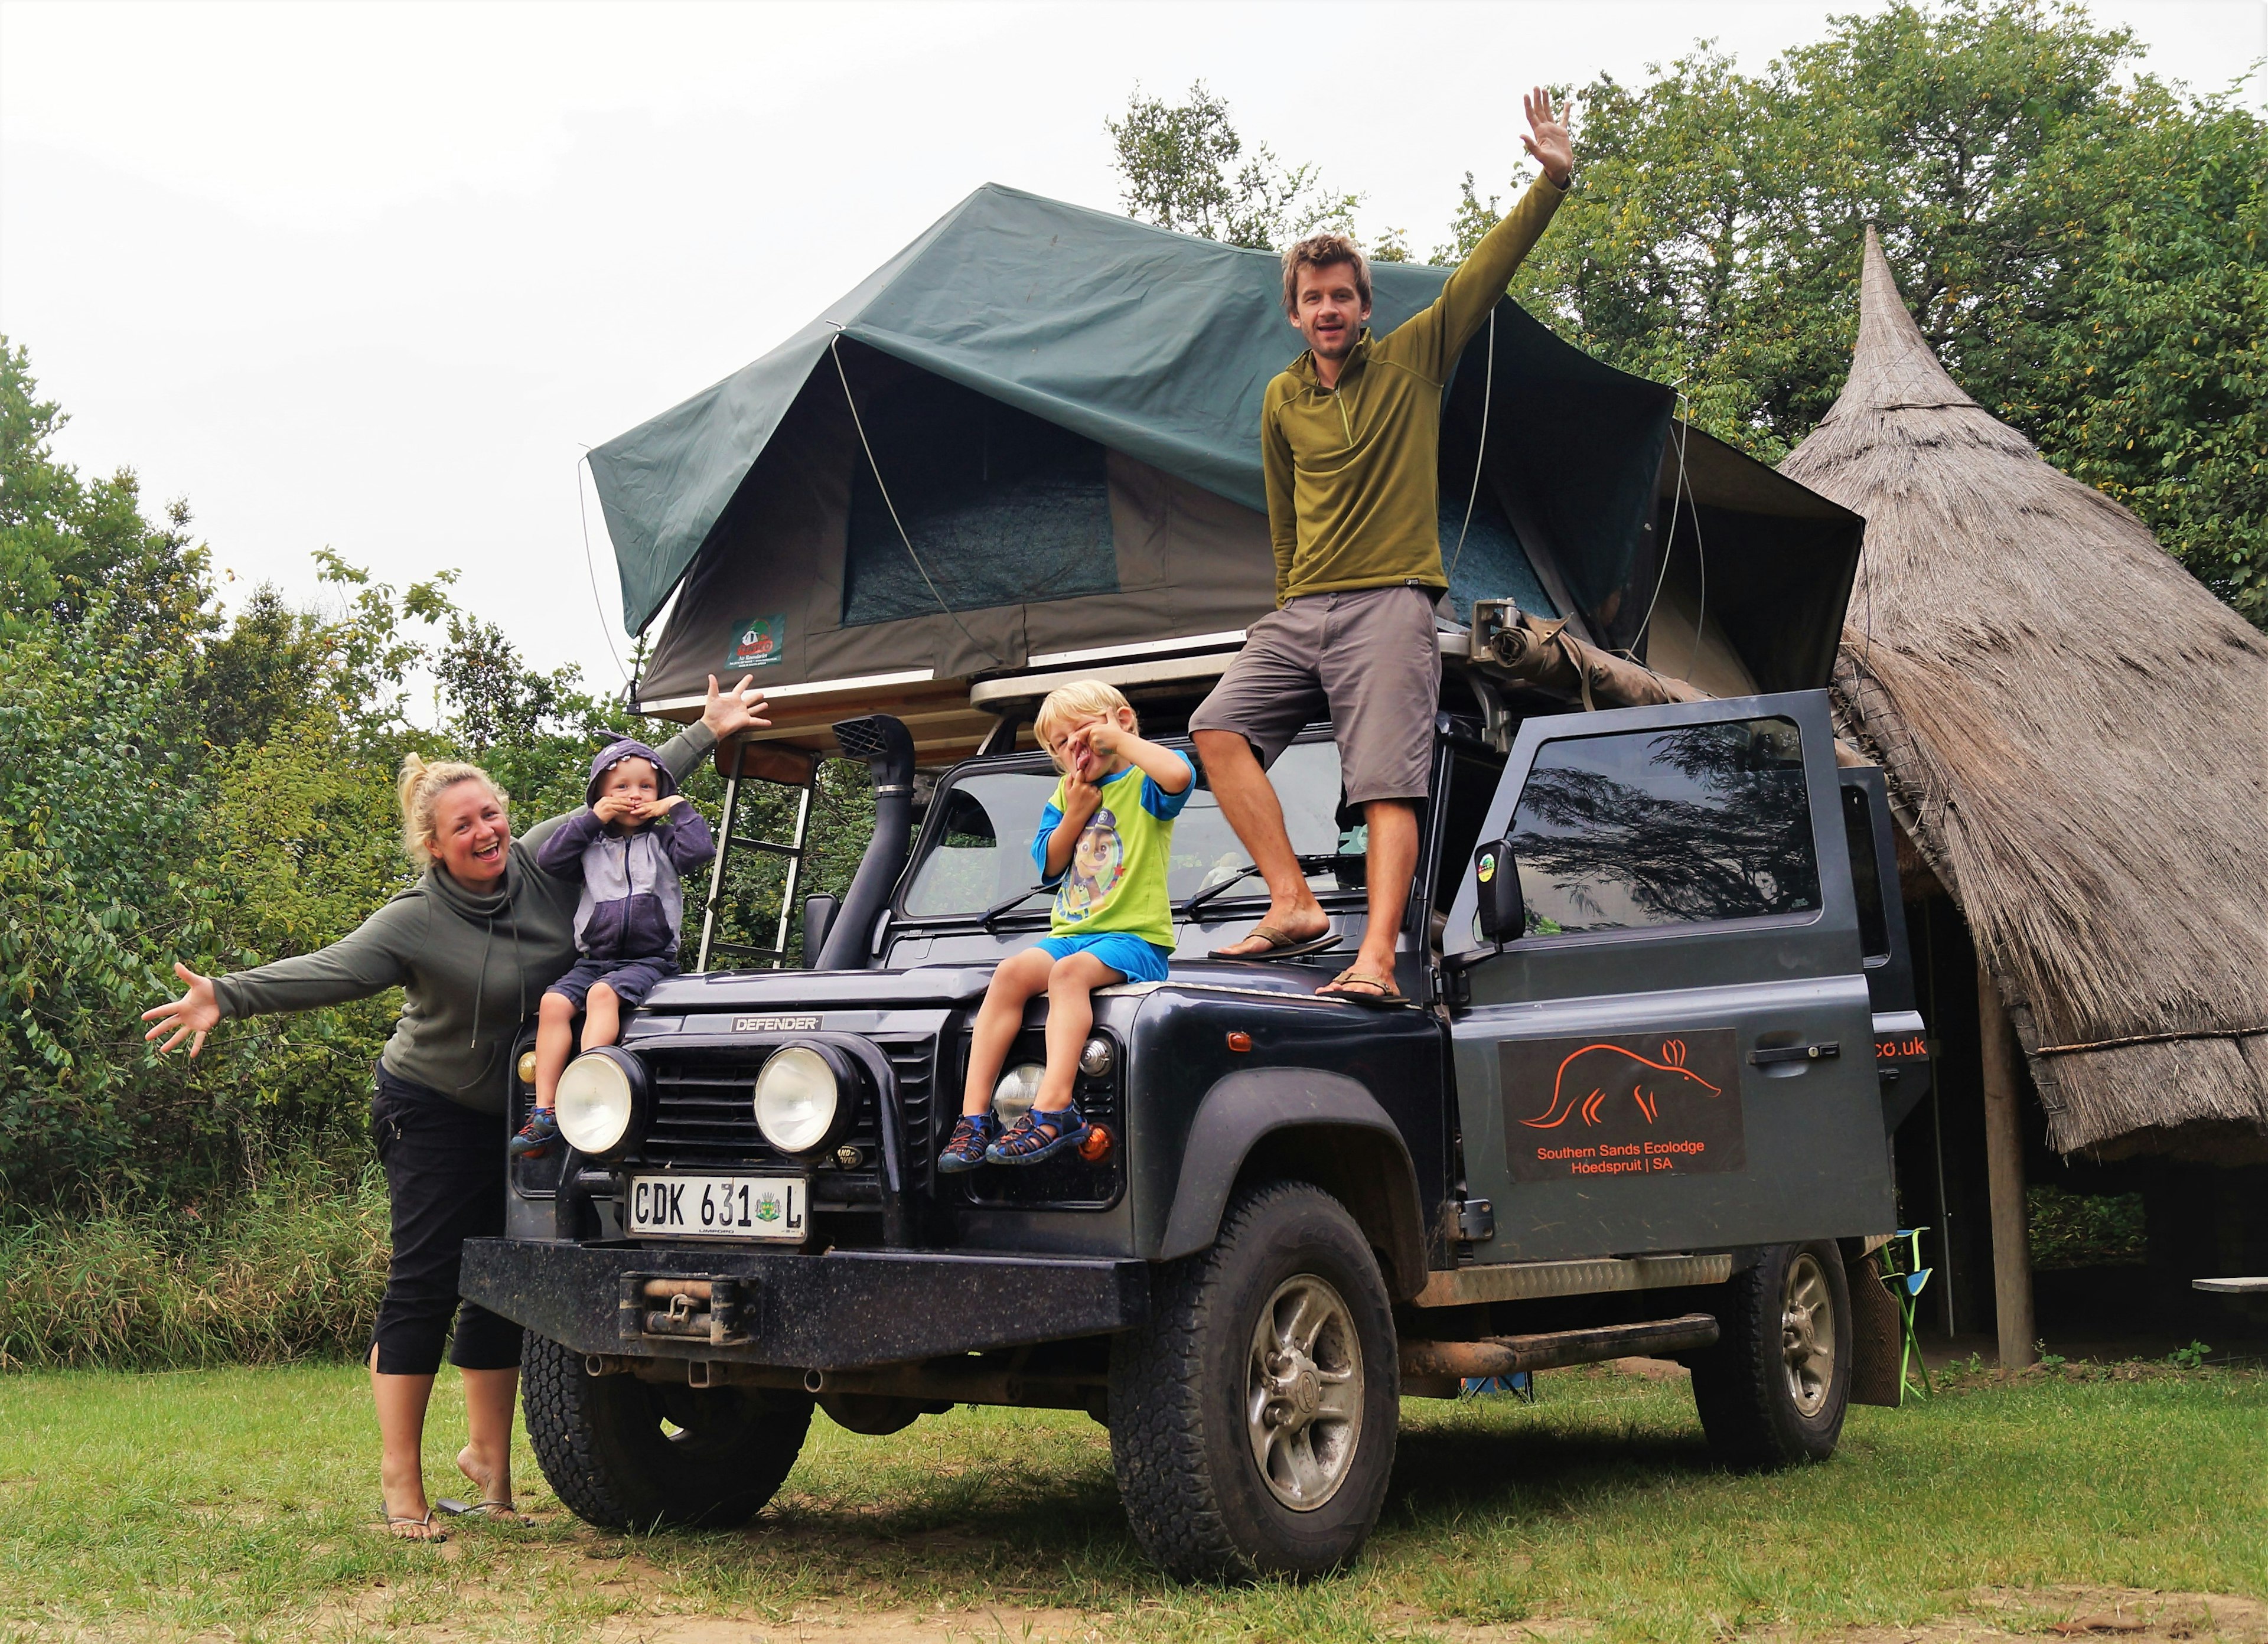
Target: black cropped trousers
(445, 1182)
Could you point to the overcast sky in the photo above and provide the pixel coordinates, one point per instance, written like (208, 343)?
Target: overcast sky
(372, 277)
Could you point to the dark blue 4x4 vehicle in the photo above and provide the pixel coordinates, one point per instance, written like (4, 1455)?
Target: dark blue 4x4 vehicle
(1663, 1024)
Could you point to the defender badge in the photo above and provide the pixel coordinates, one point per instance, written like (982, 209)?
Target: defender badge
(775, 1025)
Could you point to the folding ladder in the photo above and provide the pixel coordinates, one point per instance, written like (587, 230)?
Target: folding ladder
(728, 837)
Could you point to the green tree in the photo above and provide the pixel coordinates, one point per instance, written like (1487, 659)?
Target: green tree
(2083, 251)
(1183, 166)
(68, 545)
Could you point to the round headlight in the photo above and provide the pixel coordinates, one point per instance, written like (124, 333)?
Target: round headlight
(1018, 1089)
(1095, 1059)
(597, 1100)
(803, 1099)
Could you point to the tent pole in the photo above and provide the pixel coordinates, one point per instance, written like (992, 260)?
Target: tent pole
(2004, 1168)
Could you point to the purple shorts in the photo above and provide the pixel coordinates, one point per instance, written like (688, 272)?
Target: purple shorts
(631, 979)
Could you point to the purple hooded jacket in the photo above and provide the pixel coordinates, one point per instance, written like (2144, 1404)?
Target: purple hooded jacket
(633, 905)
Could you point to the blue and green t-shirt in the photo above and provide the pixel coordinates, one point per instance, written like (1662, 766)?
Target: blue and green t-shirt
(1117, 876)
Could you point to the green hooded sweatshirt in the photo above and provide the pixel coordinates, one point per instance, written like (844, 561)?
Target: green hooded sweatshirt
(471, 964)
(1353, 472)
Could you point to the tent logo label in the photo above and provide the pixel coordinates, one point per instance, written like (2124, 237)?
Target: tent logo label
(1641, 1104)
(758, 643)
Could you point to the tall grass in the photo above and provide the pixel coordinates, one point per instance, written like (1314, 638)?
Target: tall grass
(290, 1269)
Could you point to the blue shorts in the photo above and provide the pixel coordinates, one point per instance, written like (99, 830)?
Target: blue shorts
(1133, 958)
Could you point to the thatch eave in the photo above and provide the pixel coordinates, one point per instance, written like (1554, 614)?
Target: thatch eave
(2076, 737)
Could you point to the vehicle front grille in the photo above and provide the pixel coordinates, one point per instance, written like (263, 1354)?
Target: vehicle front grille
(704, 1113)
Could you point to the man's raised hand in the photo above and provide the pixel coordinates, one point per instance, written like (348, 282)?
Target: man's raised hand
(1548, 142)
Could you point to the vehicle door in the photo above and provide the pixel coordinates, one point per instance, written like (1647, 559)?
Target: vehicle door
(1676, 1051)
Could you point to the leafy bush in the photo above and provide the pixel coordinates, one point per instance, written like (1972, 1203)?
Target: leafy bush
(2071, 1230)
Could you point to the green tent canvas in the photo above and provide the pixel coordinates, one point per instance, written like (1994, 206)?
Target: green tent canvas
(1055, 450)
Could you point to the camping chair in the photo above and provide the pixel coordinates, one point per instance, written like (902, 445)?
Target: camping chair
(1521, 1384)
(1903, 1271)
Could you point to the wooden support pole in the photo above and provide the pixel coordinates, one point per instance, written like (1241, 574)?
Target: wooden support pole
(2004, 1171)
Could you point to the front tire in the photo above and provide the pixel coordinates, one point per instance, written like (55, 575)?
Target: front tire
(604, 1449)
(1252, 1415)
(1773, 1391)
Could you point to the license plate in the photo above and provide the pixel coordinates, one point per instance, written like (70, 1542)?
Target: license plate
(718, 1206)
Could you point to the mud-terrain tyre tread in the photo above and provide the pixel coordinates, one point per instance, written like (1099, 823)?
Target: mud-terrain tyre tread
(1740, 1385)
(567, 1412)
(1181, 1514)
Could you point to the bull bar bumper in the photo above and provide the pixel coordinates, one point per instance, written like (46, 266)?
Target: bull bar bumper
(841, 1311)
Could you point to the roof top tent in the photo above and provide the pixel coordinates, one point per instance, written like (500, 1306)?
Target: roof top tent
(1027, 449)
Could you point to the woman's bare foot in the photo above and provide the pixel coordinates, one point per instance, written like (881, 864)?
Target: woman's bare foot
(413, 1527)
(493, 1482)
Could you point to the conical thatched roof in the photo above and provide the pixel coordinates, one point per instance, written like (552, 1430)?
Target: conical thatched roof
(2075, 734)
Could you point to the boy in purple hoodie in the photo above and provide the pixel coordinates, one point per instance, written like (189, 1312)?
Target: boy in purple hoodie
(627, 849)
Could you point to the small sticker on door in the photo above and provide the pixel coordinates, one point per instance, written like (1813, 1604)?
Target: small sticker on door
(758, 643)
(1646, 1104)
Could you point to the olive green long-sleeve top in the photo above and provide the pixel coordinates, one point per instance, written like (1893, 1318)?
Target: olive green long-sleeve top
(1353, 472)
(471, 964)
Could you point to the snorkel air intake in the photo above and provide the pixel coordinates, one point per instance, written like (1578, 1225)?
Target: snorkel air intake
(887, 747)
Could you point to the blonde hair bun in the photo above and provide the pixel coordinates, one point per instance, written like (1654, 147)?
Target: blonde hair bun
(420, 790)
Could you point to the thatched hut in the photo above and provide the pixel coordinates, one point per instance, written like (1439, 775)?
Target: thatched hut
(2075, 735)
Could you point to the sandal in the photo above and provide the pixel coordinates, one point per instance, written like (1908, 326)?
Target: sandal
(398, 1525)
(965, 1151)
(1349, 983)
(1037, 1134)
(1282, 944)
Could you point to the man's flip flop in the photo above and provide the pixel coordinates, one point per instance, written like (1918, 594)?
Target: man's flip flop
(1350, 982)
(1282, 944)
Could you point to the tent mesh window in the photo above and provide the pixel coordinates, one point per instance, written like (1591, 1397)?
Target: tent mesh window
(1004, 509)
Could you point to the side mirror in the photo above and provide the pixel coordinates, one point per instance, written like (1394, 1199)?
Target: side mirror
(818, 914)
(1496, 877)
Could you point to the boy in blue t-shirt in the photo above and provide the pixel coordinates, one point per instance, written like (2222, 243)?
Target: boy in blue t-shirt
(1104, 842)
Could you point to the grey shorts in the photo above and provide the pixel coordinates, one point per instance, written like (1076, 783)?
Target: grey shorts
(1368, 660)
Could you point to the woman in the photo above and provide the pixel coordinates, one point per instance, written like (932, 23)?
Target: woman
(473, 944)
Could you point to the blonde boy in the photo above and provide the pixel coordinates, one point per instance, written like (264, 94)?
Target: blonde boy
(1103, 844)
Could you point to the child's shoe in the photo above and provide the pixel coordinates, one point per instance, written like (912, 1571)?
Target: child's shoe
(971, 1137)
(536, 1135)
(1039, 1133)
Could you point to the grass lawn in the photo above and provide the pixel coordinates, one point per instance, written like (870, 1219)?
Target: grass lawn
(238, 1504)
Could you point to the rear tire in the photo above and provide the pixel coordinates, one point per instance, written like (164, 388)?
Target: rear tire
(602, 1446)
(1773, 1391)
(1252, 1415)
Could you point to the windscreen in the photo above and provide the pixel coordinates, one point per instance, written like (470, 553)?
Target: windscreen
(980, 852)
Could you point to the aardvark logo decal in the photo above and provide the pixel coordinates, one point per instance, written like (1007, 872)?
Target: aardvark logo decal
(1623, 1104)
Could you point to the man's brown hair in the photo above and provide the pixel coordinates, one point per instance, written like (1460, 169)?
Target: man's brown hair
(1321, 251)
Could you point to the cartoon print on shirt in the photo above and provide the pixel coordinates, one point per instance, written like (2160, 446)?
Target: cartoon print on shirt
(1097, 864)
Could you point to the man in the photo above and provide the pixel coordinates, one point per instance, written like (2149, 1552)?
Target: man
(1349, 437)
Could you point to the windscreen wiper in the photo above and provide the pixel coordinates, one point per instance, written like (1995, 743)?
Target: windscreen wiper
(1307, 864)
(1007, 903)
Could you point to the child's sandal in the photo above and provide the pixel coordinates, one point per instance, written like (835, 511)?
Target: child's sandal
(966, 1150)
(1038, 1135)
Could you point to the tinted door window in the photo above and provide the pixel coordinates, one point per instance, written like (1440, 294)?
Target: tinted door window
(1656, 827)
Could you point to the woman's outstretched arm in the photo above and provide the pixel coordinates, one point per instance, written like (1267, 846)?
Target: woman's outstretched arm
(368, 959)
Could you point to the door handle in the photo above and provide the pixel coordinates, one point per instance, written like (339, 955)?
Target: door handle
(1826, 1052)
